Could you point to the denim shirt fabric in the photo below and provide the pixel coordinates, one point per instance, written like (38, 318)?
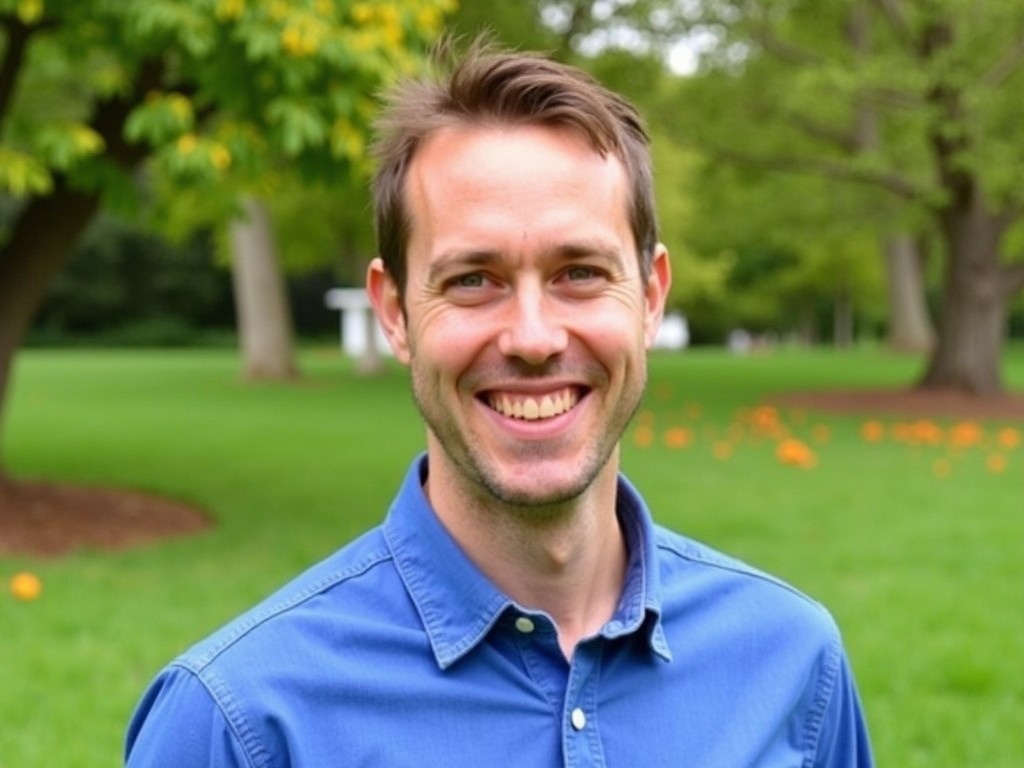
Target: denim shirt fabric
(396, 651)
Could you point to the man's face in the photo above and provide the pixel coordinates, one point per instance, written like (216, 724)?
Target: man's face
(526, 319)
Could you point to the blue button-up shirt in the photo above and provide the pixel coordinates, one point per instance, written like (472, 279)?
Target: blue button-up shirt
(397, 651)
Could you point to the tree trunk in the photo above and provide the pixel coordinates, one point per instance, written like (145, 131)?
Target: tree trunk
(806, 331)
(46, 230)
(42, 236)
(843, 329)
(976, 289)
(261, 301)
(972, 319)
(910, 327)
(967, 356)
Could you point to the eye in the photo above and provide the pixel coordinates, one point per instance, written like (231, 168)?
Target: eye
(580, 272)
(469, 280)
(470, 288)
(583, 277)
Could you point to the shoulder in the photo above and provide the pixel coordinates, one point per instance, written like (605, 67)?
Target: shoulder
(346, 580)
(732, 627)
(229, 688)
(276, 669)
(692, 572)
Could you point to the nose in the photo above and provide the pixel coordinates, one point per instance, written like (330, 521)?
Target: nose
(535, 331)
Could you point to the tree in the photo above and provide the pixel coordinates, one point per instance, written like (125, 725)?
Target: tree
(939, 92)
(214, 92)
(261, 302)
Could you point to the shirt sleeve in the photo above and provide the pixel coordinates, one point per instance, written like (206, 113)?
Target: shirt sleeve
(844, 739)
(177, 723)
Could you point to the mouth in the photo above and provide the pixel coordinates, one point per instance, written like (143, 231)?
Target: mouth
(535, 407)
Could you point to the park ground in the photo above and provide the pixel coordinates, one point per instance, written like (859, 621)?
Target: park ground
(49, 520)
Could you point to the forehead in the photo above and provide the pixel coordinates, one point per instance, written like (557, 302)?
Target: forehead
(486, 146)
(534, 180)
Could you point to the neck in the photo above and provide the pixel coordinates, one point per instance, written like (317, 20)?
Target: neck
(568, 561)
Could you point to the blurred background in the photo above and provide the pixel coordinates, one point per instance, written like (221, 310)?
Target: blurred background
(829, 173)
(840, 185)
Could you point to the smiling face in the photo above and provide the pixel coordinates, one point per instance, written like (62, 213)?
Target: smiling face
(526, 320)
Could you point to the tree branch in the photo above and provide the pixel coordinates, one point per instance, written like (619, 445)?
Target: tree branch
(1003, 69)
(578, 12)
(840, 139)
(894, 15)
(17, 36)
(110, 115)
(895, 98)
(783, 51)
(893, 183)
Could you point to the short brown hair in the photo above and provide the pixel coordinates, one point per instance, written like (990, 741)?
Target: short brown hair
(488, 87)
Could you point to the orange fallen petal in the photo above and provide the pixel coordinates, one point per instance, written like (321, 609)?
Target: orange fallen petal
(643, 436)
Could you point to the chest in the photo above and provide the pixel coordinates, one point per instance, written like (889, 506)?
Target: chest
(518, 702)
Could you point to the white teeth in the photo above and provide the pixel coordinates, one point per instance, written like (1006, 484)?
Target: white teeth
(529, 409)
(547, 407)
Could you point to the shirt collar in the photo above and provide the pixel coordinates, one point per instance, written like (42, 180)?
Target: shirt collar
(640, 604)
(458, 605)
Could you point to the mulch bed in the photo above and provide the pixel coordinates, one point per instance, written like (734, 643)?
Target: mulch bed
(909, 403)
(48, 520)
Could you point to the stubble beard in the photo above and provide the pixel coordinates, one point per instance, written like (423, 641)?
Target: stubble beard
(481, 480)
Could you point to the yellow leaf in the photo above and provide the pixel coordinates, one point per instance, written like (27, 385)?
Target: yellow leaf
(219, 156)
(393, 34)
(86, 141)
(23, 175)
(230, 9)
(346, 140)
(187, 143)
(278, 10)
(303, 36)
(180, 106)
(30, 11)
(362, 12)
(389, 13)
(429, 19)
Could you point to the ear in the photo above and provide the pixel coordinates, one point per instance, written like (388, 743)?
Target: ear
(656, 293)
(387, 305)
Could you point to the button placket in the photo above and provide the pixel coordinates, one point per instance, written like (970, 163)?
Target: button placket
(581, 735)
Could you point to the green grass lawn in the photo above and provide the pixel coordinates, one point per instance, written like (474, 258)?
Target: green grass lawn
(915, 547)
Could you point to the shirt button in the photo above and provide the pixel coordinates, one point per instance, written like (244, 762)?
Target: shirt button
(524, 625)
(578, 718)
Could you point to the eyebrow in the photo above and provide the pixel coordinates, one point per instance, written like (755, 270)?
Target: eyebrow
(587, 250)
(454, 261)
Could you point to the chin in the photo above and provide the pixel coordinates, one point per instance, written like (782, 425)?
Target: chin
(533, 488)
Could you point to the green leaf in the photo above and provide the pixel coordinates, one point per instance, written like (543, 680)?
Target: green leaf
(22, 174)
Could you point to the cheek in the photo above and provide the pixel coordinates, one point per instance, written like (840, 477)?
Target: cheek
(618, 328)
(447, 346)
(617, 351)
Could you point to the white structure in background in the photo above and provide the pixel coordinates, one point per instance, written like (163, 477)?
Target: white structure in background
(357, 320)
(674, 332)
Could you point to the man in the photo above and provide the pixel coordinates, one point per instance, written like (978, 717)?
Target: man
(517, 606)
